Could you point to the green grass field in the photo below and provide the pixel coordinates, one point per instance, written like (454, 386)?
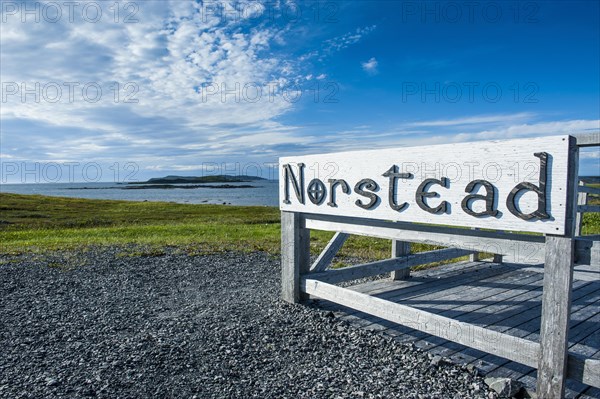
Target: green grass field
(33, 223)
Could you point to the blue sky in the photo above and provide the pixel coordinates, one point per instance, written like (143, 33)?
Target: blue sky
(194, 88)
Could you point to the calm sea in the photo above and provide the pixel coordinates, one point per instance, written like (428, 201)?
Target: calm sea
(264, 193)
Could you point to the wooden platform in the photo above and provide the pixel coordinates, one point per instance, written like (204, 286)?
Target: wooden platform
(502, 297)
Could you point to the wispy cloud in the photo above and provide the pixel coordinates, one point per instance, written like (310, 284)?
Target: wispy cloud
(370, 66)
(175, 76)
(476, 120)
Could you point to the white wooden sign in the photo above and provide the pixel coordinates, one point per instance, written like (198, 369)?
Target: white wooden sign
(518, 185)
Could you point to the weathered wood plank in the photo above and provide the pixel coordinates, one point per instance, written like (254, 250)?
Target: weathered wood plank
(556, 298)
(516, 349)
(295, 255)
(387, 265)
(588, 139)
(522, 248)
(582, 296)
(584, 370)
(587, 250)
(474, 257)
(588, 208)
(471, 304)
(582, 198)
(327, 255)
(422, 277)
(588, 190)
(399, 250)
(582, 309)
(465, 308)
(524, 322)
(580, 272)
(556, 313)
(504, 164)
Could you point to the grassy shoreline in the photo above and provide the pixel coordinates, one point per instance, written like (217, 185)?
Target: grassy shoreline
(35, 223)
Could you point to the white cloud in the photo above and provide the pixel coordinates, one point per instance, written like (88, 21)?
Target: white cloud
(370, 66)
(474, 120)
(190, 73)
(348, 39)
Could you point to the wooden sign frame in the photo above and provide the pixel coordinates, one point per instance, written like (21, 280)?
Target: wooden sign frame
(516, 185)
(558, 249)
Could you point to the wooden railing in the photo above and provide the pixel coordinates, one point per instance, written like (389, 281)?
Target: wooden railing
(558, 253)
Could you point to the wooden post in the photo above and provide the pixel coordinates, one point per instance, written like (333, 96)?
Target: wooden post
(399, 249)
(474, 257)
(295, 255)
(556, 297)
(581, 200)
(556, 313)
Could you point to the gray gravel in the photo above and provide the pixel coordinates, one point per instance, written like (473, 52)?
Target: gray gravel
(99, 324)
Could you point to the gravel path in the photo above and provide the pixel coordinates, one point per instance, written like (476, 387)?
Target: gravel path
(175, 326)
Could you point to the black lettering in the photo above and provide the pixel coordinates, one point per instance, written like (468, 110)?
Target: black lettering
(370, 185)
(540, 190)
(422, 194)
(298, 186)
(333, 183)
(393, 174)
(316, 191)
(489, 199)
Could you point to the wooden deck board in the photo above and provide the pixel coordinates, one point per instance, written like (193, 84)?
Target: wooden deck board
(501, 297)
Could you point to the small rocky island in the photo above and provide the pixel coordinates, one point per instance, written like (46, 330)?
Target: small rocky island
(201, 179)
(192, 182)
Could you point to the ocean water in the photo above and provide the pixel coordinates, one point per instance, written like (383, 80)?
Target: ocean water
(264, 193)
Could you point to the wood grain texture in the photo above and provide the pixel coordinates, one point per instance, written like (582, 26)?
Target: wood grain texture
(556, 312)
(527, 249)
(399, 250)
(588, 139)
(582, 198)
(329, 252)
(516, 349)
(474, 257)
(502, 163)
(588, 190)
(387, 265)
(295, 252)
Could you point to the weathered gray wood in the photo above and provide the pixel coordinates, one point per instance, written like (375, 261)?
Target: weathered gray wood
(584, 370)
(508, 315)
(458, 275)
(580, 272)
(582, 309)
(512, 348)
(400, 249)
(327, 255)
(587, 250)
(468, 304)
(556, 311)
(475, 256)
(295, 252)
(582, 197)
(572, 184)
(588, 139)
(387, 265)
(522, 248)
(524, 321)
(588, 190)
(506, 158)
(498, 258)
(588, 208)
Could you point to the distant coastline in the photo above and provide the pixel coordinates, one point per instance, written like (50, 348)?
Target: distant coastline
(141, 186)
(170, 180)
